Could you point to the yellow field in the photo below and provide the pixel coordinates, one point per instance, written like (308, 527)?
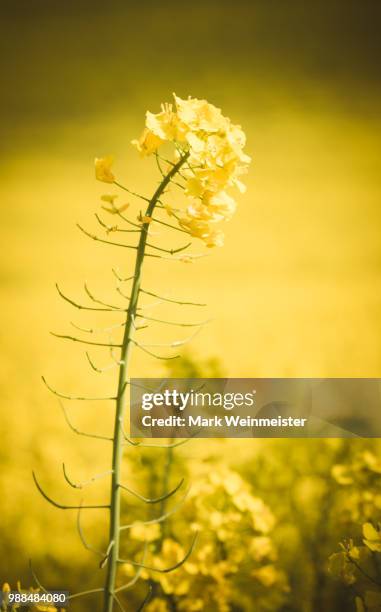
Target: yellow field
(294, 292)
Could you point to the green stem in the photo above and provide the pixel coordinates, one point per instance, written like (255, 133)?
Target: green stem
(165, 487)
(121, 400)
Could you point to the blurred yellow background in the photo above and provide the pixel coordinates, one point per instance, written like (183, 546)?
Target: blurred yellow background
(296, 289)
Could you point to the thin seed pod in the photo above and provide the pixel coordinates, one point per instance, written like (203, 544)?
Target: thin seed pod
(121, 607)
(105, 368)
(98, 301)
(123, 280)
(74, 397)
(82, 433)
(172, 300)
(82, 536)
(74, 339)
(147, 598)
(64, 506)
(115, 228)
(107, 554)
(85, 483)
(179, 229)
(96, 238)
(35, 578)
(155, 500)
(160, 518)
(167, 569)
(145, 350)
(81, 307)
(83, 593)
(134, 580)
(137, 195)
(176, 323)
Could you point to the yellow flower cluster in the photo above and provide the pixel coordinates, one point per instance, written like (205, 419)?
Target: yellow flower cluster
(357, 564)
(215, 161)
(222, 508)
(361, 478)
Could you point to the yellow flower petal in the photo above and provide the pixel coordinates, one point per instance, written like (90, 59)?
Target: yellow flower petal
(148, 143)
(109, 198)
(103, 169)
(115, 209)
